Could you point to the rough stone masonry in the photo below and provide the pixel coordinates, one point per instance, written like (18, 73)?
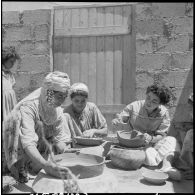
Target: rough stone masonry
(164, 50)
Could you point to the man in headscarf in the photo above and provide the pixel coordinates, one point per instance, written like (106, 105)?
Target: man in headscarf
(34, 119)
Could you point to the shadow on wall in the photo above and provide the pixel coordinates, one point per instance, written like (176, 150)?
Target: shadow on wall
(181, 120)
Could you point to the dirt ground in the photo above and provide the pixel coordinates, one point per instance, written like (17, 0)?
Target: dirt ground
(127, 182)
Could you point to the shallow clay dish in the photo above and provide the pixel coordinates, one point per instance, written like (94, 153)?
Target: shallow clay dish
(155, 177)
(85, 141)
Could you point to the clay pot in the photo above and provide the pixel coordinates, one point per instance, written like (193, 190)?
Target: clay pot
(129, 159)
(130, 139)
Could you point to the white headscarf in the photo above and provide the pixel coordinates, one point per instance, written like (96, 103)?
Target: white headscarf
(79, 87)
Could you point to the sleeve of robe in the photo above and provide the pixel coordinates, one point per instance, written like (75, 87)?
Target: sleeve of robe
(164, 126)
(62, 131)
(99, 120)
(123, 117)
(28, 135)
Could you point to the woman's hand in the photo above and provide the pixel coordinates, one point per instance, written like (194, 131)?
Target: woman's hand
(147, 138)
(135, 133)
(115, 121)
(54, 170)
(89, 133)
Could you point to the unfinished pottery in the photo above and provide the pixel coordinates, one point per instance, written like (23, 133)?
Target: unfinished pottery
(104, 183)
(128, 159)
(85, 141)
(130, 139)
(85, 165)
(155, 177)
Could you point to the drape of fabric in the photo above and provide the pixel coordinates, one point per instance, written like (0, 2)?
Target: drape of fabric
(155, 154)
(9, 96)
(90, 118)
(22, 129)
(157, 123)
(185, 161)
(9, 101)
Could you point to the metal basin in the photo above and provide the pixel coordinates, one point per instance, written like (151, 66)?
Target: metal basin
(85, 165)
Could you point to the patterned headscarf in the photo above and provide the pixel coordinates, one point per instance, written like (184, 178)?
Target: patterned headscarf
(55, 81)
(79, 87)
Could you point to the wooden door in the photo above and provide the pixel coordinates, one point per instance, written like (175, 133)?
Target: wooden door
(96, 45)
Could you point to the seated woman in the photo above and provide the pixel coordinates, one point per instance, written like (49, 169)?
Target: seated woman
(86, 119)
(151, 119)
(37, 118)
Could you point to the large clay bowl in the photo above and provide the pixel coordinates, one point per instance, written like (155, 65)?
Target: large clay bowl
(125, 139)
(104, 183)
(85, 165)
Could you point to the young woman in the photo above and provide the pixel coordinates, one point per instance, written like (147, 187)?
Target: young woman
(151, 119)
(85, 117)
(9, 57)
(36, 117)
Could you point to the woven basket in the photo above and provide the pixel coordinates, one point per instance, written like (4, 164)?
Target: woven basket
(128, 159)
(125, 138)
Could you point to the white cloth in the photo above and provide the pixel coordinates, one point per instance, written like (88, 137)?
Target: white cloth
(154, 155)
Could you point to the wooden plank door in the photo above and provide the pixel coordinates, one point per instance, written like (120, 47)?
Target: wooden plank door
(96, 45)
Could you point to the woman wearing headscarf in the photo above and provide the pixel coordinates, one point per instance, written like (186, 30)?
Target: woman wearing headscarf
(37, 117)
(150, 120)
(9, 57)
(85, 119)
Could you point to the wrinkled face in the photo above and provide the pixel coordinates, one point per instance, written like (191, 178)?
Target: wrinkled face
(59, 98)
(151, 102)
(79, 102)
(9, 63)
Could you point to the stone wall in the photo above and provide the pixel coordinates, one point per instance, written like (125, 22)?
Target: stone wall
(29, 32)
(164, 52)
